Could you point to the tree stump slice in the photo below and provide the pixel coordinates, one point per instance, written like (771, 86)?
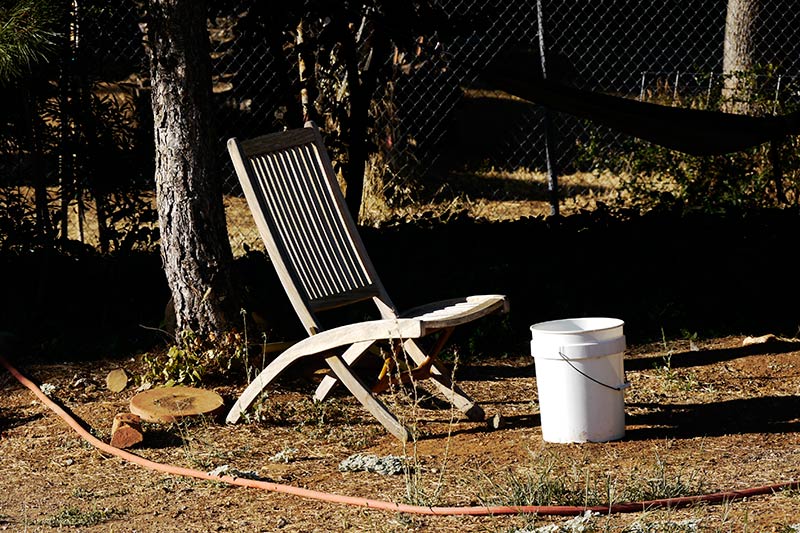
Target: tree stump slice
(170, 404)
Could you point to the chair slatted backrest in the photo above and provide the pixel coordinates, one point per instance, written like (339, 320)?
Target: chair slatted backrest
(299, 209)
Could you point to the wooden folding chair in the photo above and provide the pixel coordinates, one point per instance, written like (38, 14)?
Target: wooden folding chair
(314, 245)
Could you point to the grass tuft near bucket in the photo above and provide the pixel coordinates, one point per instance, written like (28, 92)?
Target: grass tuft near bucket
(580, 378)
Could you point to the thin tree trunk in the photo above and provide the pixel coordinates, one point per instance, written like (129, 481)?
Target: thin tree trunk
(44, 227)
(362, 85)
(305, 74)
(738, 58)
(194, 242)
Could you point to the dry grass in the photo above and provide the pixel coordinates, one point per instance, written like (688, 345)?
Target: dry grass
(733, 427)
(491, 194)
(499, 195)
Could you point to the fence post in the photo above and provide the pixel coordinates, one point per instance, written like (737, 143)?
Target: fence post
(66, 110)
(549, 145)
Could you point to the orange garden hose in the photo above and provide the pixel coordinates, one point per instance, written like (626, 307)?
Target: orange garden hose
(551, 510)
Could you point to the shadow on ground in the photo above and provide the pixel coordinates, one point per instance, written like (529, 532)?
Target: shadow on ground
(662, 273)
(770, 414)
(711, 356)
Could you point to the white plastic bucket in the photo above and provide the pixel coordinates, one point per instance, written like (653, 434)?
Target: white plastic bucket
(580, 379)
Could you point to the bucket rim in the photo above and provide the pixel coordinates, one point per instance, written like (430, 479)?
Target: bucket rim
(551, 327)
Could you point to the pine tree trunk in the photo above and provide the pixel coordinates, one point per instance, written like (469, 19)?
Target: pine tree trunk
(194, 242)
(738, 58)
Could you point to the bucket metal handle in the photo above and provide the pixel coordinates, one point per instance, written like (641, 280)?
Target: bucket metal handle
(618, 388)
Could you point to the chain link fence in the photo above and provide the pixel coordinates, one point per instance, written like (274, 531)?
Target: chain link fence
(443, 117)
(446, 114)
(669, 52)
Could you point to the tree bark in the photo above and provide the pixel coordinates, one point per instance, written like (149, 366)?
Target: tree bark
(738, 58)
(194, 242)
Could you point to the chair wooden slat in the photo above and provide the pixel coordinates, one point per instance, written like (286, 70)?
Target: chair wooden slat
(306, 245)
(277, 205)
(348, 270)
(308, 223)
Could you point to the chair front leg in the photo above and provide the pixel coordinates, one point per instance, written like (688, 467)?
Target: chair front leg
(350, 356)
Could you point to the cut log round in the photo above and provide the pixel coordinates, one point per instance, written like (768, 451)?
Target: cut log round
(117, 380)
(126, 431)
(170, 404)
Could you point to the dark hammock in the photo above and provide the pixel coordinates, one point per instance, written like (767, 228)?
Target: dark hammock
(691, 131)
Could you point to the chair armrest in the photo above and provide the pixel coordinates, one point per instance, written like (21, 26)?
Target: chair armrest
(457, 311)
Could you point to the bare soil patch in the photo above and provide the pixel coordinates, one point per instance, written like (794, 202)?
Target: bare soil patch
(709, 413)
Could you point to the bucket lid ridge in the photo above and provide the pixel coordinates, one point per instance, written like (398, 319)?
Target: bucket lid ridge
(576, 326)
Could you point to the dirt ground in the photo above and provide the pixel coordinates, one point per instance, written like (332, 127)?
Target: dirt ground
(702, 416)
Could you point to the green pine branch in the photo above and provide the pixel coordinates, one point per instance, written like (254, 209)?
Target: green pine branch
(27, 35)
